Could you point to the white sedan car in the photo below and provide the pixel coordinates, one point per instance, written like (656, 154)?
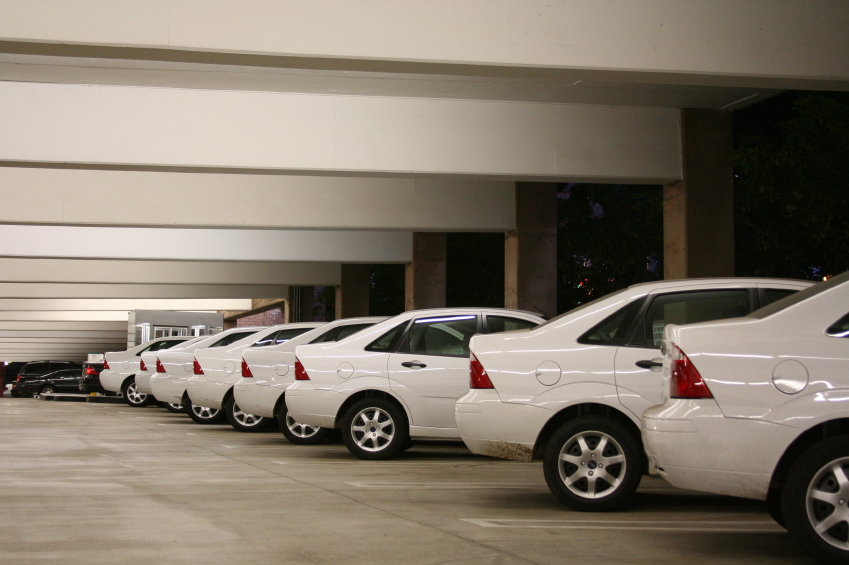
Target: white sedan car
(758, 407)
(148, 370)
(175, 366)
(395, 381)
(217, 369)
(268, 369)
(572, 390)
(120, 368)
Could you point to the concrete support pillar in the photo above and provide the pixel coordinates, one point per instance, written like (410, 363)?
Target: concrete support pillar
(698, 211)
(301, 303)
(352, 294)
(425, 276)
(530, 251)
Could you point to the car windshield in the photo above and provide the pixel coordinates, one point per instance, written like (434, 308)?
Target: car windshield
(798, 297)
(577, 309)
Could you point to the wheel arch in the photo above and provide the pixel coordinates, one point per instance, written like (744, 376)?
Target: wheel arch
(281, 402)
(370, 393)
(125, 382)
(583, 409)
(823, 430)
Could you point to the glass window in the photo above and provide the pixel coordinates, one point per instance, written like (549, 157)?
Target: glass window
(386, 342)
(441, 336)
(168, 344)
(613, 330)
(840, 328)
(285, 335)
(498, 324)
(265, 341)
(690, 308)
(797, 297)
(346, 331)
(329, 335)
(230, 338)
(773, 294)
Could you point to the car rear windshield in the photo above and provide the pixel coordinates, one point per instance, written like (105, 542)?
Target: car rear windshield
(581, 307)
(798, 297)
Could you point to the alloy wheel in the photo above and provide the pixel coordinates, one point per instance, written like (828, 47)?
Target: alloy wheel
(204, 412)
(300, 430)
(245, 419)
(135, 395)
(592, 464)
(372, 429)
(827, 501)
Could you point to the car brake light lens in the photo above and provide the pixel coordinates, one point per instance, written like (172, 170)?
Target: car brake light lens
(479, 378)
(300, 372)
(142, 366)
(90, 371)
(197, 368)
(684, 379)
(105, 364)
(159, 367)
(246, 371)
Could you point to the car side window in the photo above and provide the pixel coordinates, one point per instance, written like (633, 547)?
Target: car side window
(770, 295)
(840, 328)
(35, 368)
(613, 330)
(168, 344)
(386, 342)
(285, 335)
(329, 335)
(690, 308)
(345, 331)
(236, 336)
(446, 336)
(498, 324)
(266, 341)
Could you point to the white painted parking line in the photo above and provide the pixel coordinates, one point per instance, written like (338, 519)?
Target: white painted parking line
(433, 485)
(735, 526)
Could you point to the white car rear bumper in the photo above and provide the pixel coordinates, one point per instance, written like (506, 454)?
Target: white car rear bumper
(143, 382)
(491, 427)
(694, 446)
(207, 393)
(314, 407)
(167, 389)
(112, 380)
(259, 400)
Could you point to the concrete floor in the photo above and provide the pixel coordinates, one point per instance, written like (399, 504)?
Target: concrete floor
(105, 483)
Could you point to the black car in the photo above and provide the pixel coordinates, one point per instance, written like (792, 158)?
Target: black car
(90, 379)
(35, 369)
(66, 380)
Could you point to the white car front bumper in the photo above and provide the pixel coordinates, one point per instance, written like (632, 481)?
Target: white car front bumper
(259, 400)
(491, 427)
(694, 446)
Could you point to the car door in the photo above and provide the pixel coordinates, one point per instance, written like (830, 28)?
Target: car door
(638, 362)
(430, 369)
(67, 380)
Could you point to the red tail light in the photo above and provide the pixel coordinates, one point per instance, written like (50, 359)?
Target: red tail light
(479, 378)
(90, 371)
(246, 371)
(197, 368)
(142, 366)
(684, 379)
(105, 364)
(159, 367)
(300, 372)
(20, 378)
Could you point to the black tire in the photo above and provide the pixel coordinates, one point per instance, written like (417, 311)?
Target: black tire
(46, 390)
(205, 415)
(588, 490)
(297, 433)
(242, 421)
(133, 396)
(174, 408)
(812, 481)
(375, 416)
(773, 507)
(15, 394)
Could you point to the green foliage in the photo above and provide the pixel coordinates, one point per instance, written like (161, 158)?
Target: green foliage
(792, 189)
(609, 237)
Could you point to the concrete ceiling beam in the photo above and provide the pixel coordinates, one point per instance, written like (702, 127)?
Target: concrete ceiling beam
(281, 132)
(118, 290)
(124, 304)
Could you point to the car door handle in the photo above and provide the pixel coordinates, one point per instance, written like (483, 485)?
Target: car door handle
(648, 364)
(411, 364)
